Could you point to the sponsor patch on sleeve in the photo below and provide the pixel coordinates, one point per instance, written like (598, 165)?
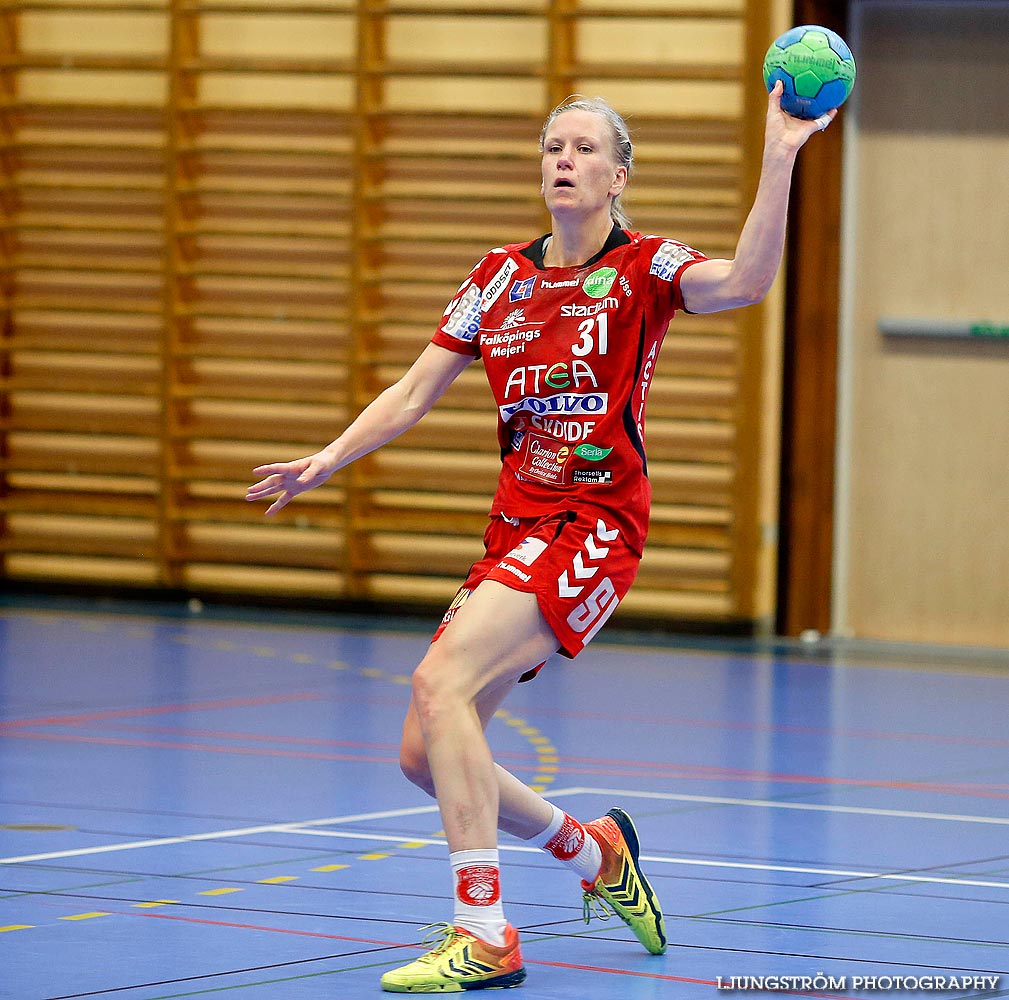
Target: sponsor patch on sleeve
(465, 314)
(499, 283)
(669, 258)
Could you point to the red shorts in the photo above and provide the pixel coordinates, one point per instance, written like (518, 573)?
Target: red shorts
(575, 562)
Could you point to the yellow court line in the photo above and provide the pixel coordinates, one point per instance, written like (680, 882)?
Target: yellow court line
(372, 857)
(278, 879)
(218, 892)
(16, 927)
(154, 902)
(330, 868)
(86, 916)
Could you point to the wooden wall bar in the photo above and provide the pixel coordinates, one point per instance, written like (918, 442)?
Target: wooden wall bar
(229, 223)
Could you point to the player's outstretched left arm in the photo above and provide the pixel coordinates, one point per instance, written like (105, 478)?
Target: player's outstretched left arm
(717, 284)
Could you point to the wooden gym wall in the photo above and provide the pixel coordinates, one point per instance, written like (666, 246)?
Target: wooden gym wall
(228, 223)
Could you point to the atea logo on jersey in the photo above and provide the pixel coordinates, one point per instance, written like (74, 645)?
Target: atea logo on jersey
(573, 404)
(560, 375)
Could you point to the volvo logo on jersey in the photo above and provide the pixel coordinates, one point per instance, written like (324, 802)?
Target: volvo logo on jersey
(572, 404)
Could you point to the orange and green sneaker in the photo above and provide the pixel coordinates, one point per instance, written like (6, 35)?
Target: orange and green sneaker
(458, 962)
(620, 885)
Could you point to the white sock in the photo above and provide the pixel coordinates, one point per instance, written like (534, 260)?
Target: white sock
(478, 906)
(569, 842)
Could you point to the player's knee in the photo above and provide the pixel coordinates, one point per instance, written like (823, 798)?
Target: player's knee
(434, 689)
(414, 764)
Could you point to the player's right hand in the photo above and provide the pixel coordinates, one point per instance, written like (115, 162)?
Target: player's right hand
(289, 479)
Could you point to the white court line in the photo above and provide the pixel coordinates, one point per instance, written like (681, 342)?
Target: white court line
(772, 804)
(303, 825)
(247, 831)
(659, 859)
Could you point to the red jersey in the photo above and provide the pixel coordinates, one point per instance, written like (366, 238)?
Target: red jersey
(569, 354)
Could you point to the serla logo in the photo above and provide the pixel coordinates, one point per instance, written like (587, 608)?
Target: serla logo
(591, 452)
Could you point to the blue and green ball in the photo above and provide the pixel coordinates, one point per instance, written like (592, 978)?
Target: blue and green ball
(816, 67)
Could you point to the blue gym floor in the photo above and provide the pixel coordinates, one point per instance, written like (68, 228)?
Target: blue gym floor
(191, 807)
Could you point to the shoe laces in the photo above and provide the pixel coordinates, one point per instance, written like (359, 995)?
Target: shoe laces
(439, 937)
(593, 905)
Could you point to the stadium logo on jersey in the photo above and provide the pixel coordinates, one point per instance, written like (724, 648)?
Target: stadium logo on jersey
(574, 404)
(464, 323)
(668, 259)
(581, 312)
(522, 289)
(599, 283)
(499, 283)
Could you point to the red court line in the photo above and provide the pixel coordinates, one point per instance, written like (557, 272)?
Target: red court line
(399, 944)
(126, 713)
(728, 774)
(257, 927)
(202, 747)
(223, 734)
(763, 727)
(608, 765)
(657, 772)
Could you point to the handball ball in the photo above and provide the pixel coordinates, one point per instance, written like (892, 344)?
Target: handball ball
(816, 68)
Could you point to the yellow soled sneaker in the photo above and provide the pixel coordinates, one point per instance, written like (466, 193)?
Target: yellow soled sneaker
(459, 961)
(621, 884)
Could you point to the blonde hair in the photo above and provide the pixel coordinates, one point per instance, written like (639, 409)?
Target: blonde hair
(622, 148)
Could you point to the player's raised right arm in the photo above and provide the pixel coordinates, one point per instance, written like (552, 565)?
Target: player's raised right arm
(391, 413)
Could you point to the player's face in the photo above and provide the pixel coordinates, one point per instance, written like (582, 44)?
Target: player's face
(579, 167)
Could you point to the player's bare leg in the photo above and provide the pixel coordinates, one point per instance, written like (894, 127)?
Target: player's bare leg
(493, 639)
(521, 811)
